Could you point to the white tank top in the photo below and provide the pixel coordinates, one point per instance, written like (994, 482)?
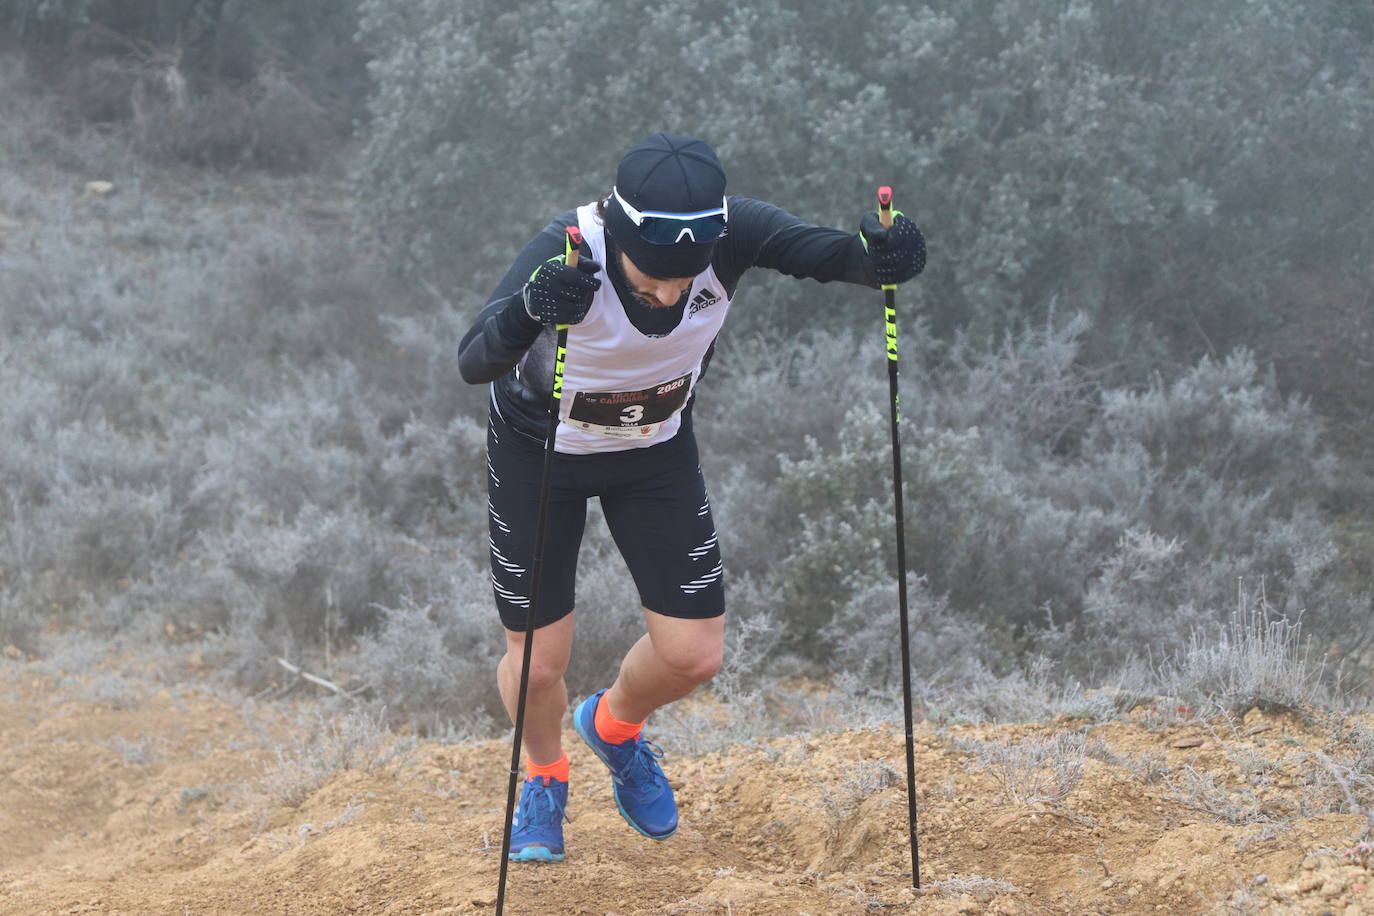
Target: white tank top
(621, 389)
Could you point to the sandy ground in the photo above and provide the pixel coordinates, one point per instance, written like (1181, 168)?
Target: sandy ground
(160, 803)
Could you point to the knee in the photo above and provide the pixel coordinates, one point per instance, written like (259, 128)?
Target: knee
(709, 667)
(546, 668)
(698, 664)
(544, 673)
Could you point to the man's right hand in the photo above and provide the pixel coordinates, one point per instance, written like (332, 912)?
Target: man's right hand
(557, 294)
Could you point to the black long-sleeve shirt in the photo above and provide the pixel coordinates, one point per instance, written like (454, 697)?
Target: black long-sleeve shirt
(760, 235)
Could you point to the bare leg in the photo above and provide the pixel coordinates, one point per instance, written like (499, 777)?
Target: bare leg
(547, 698)
(666, 664)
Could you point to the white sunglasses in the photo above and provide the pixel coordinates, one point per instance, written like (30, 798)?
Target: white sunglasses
(659, 228)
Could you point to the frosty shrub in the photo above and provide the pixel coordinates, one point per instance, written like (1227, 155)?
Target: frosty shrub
(840, 803)
(1033, 691)
(1234, 478)
(1033, 770)
(1032, 392)
(257, 85)
(749, 393)
(433, 665)
(223, 418)
(269, 123)
(1222, 421)
(19, 624)
(1257, 658)
(326, 746)
(210, 425)
(1000, 551)
(1104, 158)
(947, 650)
(1198, 790)
(298, 573)
(86, 506)
(1046, 512)
(50, 20)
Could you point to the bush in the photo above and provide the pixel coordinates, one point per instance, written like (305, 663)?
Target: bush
(1033, 770)
(327, 747)
(1087, 522)
(19, 624)
(1258, 658)
(256, 85)
(45, 20)
(269, 124)
(222, 419)
(434, 665)
(207, 423)
(1102, 158)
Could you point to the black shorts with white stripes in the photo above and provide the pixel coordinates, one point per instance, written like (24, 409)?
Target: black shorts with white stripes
(655, 504)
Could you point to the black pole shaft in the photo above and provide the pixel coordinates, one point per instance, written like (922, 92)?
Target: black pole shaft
(545, 487)
(890, 321)
(890, 309)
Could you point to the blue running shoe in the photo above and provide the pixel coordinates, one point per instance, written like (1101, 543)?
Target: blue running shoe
(537, 834)
(641, 790)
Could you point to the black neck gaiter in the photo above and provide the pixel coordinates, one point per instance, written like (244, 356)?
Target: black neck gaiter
(649, 320)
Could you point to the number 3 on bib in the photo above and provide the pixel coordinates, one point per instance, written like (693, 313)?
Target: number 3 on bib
(629, 414)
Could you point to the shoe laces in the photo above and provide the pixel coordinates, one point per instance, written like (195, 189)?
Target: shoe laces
(643, 763)
(539, 804)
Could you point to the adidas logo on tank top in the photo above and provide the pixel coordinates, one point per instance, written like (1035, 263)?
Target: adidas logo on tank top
(703, 299)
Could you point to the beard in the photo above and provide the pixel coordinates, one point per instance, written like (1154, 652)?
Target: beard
(627, 290)
(649, 302)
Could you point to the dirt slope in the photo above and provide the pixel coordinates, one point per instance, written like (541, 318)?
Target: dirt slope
(161, 804)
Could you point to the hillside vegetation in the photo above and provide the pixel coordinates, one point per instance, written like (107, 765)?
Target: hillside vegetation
(239, 244)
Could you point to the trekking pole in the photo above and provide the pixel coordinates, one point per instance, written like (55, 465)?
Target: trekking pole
(890, 315)
(571, 243)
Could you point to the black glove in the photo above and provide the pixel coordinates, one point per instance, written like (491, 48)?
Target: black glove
(897, 253)
(558, 294)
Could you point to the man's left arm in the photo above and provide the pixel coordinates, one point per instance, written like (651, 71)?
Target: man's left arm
(764, 235)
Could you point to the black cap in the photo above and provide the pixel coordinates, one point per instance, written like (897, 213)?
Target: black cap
(675, 175)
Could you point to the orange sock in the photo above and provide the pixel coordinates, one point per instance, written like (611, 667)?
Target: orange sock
(612, 729)
(557, 770)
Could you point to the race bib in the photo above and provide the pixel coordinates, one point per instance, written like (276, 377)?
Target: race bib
(629, 414)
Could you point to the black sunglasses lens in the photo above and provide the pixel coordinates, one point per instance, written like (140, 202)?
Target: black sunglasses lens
(659, 231)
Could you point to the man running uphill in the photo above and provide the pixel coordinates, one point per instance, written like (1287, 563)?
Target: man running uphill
(673, 247)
